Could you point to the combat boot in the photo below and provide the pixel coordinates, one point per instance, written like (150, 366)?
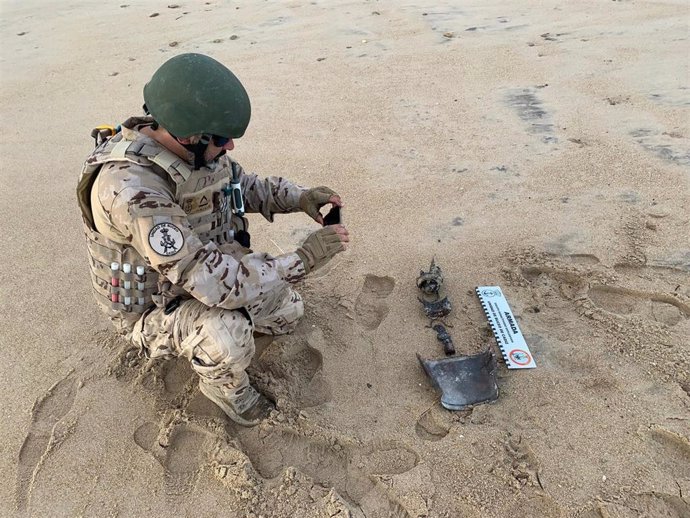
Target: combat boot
(249, 409)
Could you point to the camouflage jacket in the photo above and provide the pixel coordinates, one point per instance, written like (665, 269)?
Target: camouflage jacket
(147, 206)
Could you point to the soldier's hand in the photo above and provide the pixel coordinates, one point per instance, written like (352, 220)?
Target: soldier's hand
(322, 245)
(312, 200)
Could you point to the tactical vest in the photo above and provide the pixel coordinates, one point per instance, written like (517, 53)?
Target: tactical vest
(125, 286)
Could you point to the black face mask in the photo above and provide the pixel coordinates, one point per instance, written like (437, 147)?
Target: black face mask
(199, 150)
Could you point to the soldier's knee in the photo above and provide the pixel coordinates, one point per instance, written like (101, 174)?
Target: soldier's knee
(285, 318)
(225, 345)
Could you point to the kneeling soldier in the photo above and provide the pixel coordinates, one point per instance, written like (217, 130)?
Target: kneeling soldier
(163, 208)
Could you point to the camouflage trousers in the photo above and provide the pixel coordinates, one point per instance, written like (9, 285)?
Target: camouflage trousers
(219, 343)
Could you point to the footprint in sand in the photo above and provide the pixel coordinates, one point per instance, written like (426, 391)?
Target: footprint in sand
(522, 461)
(297, 371)
(178, 373)
(41, 439)
(371, 307)
(434, 424)
(642, 504)
(567, 285)
(556, 288)
(183, 458)
(672, 447)
(384, 457)
(675, 276)
(352, 472)
(656, 306)
(179, 382)
(645, 314)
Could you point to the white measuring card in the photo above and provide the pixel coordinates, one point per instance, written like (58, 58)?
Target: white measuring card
(506, 331)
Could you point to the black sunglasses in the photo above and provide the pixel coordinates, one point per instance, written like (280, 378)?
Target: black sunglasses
(217, 140)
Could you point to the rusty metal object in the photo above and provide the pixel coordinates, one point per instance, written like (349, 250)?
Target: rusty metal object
(430, 282)
(464, 381)
(437, 309)
(443, 337)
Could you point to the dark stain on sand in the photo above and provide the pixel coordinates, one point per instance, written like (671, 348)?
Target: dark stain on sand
(530, 110)
(663, 145)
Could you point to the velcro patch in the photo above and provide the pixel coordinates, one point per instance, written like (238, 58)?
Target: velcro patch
(166, 239)
(199, 203)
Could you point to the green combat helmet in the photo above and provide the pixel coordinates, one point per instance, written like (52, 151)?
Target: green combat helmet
(193, 94)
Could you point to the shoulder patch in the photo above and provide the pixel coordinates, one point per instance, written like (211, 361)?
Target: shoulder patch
(166, 239)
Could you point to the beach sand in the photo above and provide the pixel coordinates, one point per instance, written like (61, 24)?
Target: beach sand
(538, 145)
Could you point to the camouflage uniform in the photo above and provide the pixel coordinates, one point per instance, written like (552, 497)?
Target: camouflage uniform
(160, 234)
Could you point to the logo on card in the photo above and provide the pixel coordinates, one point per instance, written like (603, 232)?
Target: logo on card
(520, 357)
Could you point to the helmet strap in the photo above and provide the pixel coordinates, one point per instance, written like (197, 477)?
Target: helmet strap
(199, 150)
(154, 124)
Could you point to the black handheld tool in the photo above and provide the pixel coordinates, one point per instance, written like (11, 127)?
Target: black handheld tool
(333, 217)
(443, 337)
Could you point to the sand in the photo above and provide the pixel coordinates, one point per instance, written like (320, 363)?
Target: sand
(538, 145)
